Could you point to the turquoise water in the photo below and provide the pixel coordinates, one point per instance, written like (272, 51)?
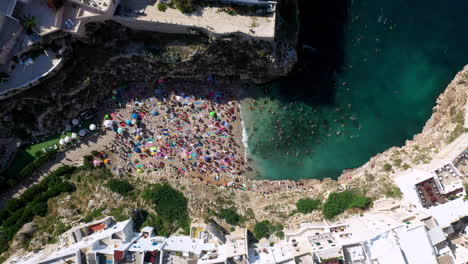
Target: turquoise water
(398, 57)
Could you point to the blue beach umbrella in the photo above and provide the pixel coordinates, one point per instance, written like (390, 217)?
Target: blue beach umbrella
(137, 150)
(154, 112)
(134, 115)
(128, 122)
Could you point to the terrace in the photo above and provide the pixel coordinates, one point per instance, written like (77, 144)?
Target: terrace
(29, 69)
(449, 178)
(48, 19)
(430, 194)
(213, 19)
(322, 241)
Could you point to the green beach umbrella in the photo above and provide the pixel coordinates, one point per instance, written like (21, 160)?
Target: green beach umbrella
(213, 114)
(107, 117)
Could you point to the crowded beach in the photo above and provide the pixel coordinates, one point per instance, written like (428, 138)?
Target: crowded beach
(194, 131)
(173, 128)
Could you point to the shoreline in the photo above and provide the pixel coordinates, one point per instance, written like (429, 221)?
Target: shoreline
(245, 136)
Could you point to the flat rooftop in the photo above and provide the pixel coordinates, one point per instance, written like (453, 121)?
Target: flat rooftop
(211, 18)
(29, 70)
(47, 18)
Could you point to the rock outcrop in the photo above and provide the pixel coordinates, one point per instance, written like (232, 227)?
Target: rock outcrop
(114, 55)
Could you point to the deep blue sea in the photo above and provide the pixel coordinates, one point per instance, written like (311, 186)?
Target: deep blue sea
(370, 76)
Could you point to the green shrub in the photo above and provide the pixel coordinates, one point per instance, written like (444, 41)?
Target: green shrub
(338, 202)
(39, 208)
(393, 191)
(88, 162)
(307, 205)
(262, 229)
(122, 187)
(162, 7)
(387, 167)
(230, 215)
(186, 6)
(280, 235)
(170, 205)
(13, 204)
(27, 171)
(266, 229)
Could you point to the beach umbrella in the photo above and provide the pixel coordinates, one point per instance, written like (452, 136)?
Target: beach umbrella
(139, 170)
(128, 122)
(67, 139)
(120, 130)
(106, 161)
(226, 124)
(74, 135)
(137, 137)
(154, 112)
(108, 123)
(68, 127)
(92, 127)
(82, 133)
(62, 141)
(134, 121)
(134, 116)
(138, 144)
(137, 150)
(107, 117)
(213, 114)
(153, 149)
(144, 149)
(75, 122)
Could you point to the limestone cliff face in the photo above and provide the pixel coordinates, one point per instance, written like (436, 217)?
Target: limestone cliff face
(114, 55)
(447, 124)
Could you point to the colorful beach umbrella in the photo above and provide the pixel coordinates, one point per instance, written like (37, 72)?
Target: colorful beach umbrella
(120, 130)
(75, 122)
(134, 115)
(128, 122)
(92, 127)
(82, 133)
(108, 123)
(107, 117)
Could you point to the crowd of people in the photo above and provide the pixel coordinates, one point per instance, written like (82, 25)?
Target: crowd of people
(192, 131)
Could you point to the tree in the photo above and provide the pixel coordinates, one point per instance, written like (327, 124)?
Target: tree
(30, 23)
(169, 204)
(262, 229)
(230, 215)
(122, 187)
(186, 6)
(162, 7)
(338, 202)
(307, 205)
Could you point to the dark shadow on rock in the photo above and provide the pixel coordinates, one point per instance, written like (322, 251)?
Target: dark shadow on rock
(321, 50)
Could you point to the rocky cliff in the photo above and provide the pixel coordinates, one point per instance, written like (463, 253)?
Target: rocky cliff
(114, 55)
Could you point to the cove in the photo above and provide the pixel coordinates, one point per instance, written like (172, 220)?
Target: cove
(370, 74)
